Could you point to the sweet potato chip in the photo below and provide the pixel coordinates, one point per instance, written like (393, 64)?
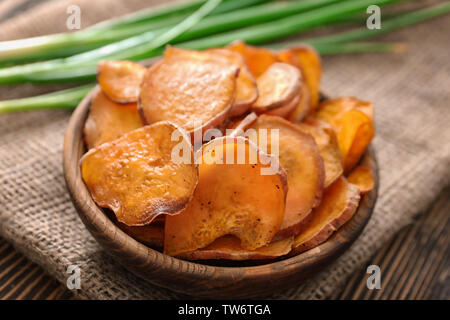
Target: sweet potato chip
(354, 137)
(258, 59)
(299, 157)
(338, 205)
(326, 141)
(276, 86)
(308, 61)
(285, 109)
(332, 109)
(229, 248)
(108, 120)
(136, 177)
(352, 119)
(241, 192)
(362, 177)
(120, 80)
(246, 91)
(151, 235)
(187, 90)
(302, 109)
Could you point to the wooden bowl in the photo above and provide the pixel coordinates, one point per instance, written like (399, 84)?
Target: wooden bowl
(197, 279)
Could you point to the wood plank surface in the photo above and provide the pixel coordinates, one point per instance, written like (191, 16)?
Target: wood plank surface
(415, 264)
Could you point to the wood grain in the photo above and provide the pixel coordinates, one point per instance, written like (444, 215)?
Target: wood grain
(20, 279)
(415, 264)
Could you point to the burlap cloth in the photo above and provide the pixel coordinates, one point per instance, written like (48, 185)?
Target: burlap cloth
(411, 96)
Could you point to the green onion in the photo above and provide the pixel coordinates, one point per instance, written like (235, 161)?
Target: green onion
(252, 16)
(169, 11)
(266, 32)
(288, 26)
(56, 100)
(156, 42)
(360, 19)
(121, 49)
(209, 25)
(186, 24)
(157, 13)
(386, 25)
(65, 44)
(228, 21)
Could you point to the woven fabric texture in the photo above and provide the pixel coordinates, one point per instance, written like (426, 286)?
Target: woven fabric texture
(410, 91)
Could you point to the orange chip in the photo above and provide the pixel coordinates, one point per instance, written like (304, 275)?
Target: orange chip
(120, 80)
(326, 141)
(229, 248)
(278, 85)
(241, 192)
(258, 59)
(108, 120)
(333, 109)
(307, 60)
(137, 177)
(188, 90)
(285, 109)
(302, 108)
(354, 137)
(362, 177)
(246, 91)
(299, 157)
(151, 235)
(352, 120)
(338, 205)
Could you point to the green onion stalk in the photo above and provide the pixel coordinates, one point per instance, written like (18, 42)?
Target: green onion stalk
(64, 99)
(162, 12)
(141, 47)
(358, 47)
(389, 25)
(66, 44)
(63, 69)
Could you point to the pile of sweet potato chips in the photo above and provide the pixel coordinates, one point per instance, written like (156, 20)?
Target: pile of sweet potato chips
(176, 152)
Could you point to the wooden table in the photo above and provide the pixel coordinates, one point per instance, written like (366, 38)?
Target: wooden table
(414, 264)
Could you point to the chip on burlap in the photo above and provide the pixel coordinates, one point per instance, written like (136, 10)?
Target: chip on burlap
(410, 92)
